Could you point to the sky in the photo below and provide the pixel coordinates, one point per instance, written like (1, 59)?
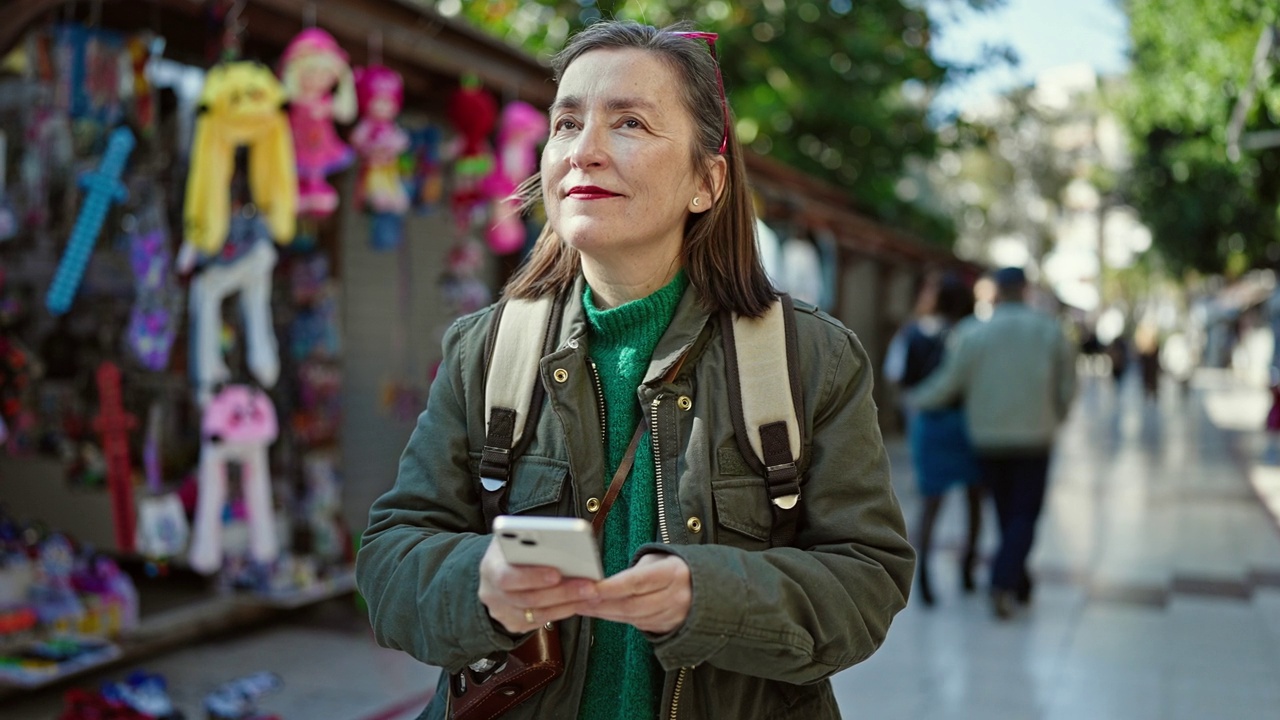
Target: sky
(1044, 34)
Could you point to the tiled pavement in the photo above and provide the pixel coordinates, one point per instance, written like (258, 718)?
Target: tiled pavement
(1158, 594)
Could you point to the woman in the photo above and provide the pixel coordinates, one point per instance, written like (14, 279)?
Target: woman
(649, 234)
(939, 442)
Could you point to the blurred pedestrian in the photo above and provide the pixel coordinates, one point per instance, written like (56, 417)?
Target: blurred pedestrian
(1016, 375)
(1146, 343)
(940, 450)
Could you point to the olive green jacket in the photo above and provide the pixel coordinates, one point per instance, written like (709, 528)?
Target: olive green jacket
(767, 626)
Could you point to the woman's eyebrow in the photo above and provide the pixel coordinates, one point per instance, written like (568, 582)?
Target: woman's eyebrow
(574, 103)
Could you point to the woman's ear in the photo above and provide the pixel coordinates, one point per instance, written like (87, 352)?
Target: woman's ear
(712, 185)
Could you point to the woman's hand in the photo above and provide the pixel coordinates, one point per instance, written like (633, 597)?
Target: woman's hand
(655, 595)
(524, 598)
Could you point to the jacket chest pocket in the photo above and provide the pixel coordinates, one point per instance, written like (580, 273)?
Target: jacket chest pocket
(536, 484)
(742, 512)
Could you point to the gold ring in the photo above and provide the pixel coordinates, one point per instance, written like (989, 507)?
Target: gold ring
(528, 617)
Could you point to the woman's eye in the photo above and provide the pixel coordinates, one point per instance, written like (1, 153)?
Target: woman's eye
(566, 124)
(632, 123)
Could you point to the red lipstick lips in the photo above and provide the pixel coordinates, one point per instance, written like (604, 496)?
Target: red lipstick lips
(589, 192)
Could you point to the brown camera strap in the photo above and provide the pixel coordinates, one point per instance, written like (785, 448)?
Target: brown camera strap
(629, 459)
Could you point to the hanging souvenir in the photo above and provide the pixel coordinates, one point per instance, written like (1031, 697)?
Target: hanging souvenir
(153, 320)
(101, 189)
(422, 169)
(141, 49)
(242, 106)
(522, 128)
(162, 523)
(113, 425)
(319, 85)
(238, 426)
(243, 267)
(379, 142)
(473, 112)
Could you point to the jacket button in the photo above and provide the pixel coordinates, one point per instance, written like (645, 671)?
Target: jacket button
(560, 375)
(684, 403)
(694, 525)
(593, 505)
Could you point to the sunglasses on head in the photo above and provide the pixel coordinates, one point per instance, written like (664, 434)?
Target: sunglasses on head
(710, 38)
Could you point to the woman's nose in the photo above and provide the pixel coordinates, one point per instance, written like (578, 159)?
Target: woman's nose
(590, 148)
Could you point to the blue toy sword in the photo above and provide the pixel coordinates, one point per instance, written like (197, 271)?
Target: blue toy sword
(101, 188)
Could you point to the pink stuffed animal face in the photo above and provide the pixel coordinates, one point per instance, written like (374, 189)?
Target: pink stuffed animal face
(240, 414)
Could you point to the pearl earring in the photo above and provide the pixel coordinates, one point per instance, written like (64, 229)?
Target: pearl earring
(697, 201)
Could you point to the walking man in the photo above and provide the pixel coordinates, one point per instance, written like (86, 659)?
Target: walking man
(1016, 376)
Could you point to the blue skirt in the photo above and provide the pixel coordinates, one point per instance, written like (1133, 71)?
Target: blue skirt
(941, 452)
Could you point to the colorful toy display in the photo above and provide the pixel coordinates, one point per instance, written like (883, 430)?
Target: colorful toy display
(238, 699)
(520, 131)
(113, 425)
(102, 188)
(238, 426)
(321, 89)
(242, 107)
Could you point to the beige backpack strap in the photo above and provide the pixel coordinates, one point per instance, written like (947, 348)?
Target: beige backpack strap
(523, 331)
(764, 395)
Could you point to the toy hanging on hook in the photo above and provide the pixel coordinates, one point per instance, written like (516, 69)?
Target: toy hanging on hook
(379, 141)
(321, 89)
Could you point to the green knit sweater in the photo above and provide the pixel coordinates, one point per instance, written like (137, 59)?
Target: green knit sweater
(624, 679)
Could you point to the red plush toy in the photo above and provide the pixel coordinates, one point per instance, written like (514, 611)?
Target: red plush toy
(473, 112)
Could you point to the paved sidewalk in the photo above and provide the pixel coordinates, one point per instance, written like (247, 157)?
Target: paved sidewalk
(1159, 579)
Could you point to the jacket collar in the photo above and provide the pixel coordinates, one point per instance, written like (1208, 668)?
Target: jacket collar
(685, 327)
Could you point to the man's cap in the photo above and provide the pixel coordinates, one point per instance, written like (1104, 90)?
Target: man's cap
(1009, 278)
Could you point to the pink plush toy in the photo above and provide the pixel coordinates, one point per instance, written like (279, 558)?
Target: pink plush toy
(239, 425)
(310, 68)
(379, 141)
(520, 131)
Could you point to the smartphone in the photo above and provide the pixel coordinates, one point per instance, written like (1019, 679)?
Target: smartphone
(564, 543)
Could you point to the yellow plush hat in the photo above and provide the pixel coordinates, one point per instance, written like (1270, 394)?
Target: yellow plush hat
(242, 105)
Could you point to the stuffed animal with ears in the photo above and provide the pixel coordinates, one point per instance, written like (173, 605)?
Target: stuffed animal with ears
(311, 67)
(379, 142)
(520, 131)
(238, 426)
(473, 113)
(242, 106)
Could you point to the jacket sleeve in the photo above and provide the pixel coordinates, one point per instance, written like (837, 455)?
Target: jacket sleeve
(945, 385)
(799, 614)
(419, 561)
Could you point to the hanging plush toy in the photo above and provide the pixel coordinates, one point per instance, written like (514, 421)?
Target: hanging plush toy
(242, 104)
(310, 68)
(243, 267)
(473, 112)
(238, 426)
(522, 128)
(379, 142)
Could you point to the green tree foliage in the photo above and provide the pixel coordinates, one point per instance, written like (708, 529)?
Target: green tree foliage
(1191, 61)
(838, 89)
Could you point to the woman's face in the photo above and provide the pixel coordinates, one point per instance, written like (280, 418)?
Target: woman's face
(617, 175)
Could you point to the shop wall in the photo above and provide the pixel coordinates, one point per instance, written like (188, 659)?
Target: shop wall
(373, 435)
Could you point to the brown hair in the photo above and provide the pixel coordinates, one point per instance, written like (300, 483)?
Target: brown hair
(719, 251)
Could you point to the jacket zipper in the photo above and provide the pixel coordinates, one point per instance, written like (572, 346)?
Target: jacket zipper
(595, 380)
(663, 532)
